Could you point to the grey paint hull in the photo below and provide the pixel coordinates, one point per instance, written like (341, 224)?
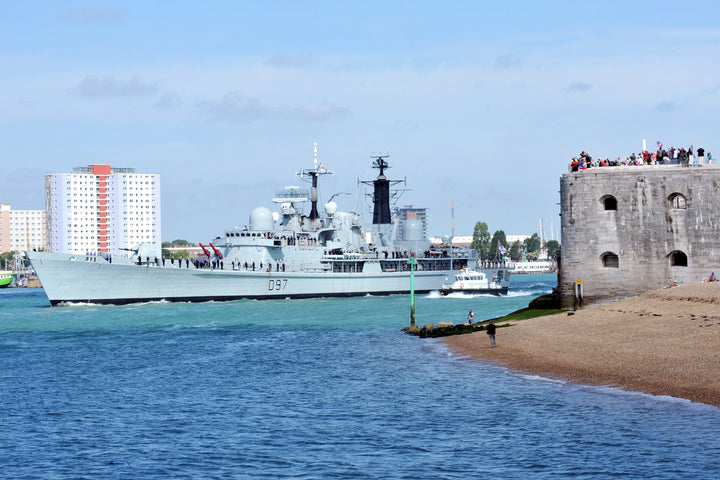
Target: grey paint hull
(68, 278)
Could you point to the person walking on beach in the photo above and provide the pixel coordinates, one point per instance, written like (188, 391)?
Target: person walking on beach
(491, 333)
(470, 317)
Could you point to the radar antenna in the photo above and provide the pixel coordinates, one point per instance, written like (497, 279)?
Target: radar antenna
(380, 162)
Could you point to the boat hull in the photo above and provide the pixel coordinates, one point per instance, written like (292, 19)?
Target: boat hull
(71, 279)
(476, 291)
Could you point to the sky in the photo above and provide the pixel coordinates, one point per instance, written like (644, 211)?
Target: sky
(478, 103)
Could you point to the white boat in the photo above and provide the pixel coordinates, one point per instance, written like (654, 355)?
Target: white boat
(475, 282)
(537, 266)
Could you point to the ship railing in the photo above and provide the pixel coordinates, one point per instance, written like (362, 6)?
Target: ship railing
(360, 255)
(313, 269)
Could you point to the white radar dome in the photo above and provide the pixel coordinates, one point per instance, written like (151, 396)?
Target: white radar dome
(261, 219)
(331, 208)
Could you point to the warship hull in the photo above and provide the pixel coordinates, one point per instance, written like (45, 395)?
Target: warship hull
(79, 279)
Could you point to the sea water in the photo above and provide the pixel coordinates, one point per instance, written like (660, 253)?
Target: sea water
(321, 388)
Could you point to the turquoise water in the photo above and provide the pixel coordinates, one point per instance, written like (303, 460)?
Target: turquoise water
(323, 388)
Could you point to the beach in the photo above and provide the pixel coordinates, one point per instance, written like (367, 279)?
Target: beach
(663, 342)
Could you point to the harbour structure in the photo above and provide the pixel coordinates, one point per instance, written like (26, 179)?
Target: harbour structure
(291, 253)
(101, 209)
(627, 230)
(22, 229)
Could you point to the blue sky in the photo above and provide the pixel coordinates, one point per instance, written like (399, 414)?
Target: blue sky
(478, 103)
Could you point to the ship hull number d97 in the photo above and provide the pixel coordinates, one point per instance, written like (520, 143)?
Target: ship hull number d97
(277, 285)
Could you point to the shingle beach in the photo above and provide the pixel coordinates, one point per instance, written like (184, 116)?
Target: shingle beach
(663, 342)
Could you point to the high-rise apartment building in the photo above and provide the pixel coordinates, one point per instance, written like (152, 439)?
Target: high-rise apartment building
(102, 209)
(22, 230)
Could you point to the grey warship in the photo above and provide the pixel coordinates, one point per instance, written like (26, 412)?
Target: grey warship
(288, 254)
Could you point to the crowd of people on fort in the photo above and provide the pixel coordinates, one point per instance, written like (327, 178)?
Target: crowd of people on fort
(672, 156)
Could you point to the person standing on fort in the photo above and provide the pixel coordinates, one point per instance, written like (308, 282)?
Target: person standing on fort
(690, 155)
(701, 155)
(491, 333)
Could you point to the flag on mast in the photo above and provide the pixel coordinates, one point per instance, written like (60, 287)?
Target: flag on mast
(501, 248)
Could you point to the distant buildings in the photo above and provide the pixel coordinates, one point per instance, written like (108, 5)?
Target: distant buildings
(102, 209)
(511, 239)
(22, 230)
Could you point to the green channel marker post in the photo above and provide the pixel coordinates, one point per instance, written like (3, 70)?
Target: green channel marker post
(412, 263)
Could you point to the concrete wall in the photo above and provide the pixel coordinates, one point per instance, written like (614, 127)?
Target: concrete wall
(647, 232)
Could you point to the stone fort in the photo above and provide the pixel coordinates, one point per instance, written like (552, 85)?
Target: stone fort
(627, 230)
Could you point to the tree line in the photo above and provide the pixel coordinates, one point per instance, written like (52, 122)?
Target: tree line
(488, 246)
(179, 255)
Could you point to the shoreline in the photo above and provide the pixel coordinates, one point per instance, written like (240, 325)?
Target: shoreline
(662, 342)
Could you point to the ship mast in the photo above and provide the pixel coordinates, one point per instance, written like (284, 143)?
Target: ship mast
(382, 195)
(313, 174)
(381, 192)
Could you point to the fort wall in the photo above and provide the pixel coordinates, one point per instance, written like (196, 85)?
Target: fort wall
(627, 230)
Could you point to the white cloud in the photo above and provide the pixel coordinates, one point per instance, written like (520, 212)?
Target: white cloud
(504, 62)
(93, 14)
(292, 61)
(94, 87)
(237, 108)
(233, 107)
(316, 112)
(578, 87)
(169, 100)
(667, 107)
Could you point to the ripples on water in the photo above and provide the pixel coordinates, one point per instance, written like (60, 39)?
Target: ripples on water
(325, 388)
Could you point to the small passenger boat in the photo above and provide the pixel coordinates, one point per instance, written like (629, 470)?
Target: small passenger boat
(474, 282)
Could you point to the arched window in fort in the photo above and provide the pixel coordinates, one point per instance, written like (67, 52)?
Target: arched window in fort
(677, 200)
(610, 260)
(609, 202)
(677, 259)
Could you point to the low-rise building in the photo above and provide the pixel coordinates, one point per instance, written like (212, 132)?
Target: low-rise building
(22, 230)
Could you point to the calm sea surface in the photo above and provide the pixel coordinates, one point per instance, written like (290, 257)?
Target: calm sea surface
(324, 388)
